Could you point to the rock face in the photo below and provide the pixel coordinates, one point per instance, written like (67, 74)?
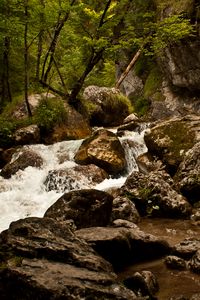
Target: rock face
(171, 139)
(70, 179)
(103, 149)
(43, 259)
(182, 64)
(86, 207)
(188, 174)
(25, 159)
(107, 106)
(153, 195)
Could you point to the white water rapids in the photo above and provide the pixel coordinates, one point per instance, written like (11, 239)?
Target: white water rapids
(24, 194)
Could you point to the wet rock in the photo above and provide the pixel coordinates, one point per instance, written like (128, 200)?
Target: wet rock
(124, 223)
(188, 174)
(103, 149)
(87, 208)
(154, 195)
(107, 107)
(143, 283)
(121, 246)
(27, 135)
(195, 262)
(25, 159)
(146, 163)
(170, 140)
(74, 178)
(187, 248)
(124, 209)
(46, 238)
(174, 262)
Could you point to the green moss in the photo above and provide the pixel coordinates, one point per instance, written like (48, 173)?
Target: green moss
(141, 106)
(153, 82)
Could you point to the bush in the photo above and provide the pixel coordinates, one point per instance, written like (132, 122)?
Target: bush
(141, 106)
(49, 113)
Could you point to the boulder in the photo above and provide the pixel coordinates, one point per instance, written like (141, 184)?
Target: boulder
(153, 195)
(25, 159)
(46, 238)
(63, 180)
(122, 246)
(27, 135)
(170, 140)
(88, 208)
(105, 106)
(42, 259)
(124, 209)
(41, 279)
(188, 175)
(103, 149)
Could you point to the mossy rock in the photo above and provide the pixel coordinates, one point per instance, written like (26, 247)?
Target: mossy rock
(170, 140)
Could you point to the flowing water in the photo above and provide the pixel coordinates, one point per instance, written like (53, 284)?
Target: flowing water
(25, 194)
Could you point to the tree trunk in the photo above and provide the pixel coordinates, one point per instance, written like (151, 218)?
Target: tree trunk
(52, 47)
(6, 90)
(26, 79)
(93, 60)
(129, 67)
(40, 41)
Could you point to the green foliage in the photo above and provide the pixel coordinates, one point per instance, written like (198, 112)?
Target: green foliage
(7, 127)
(49, 113)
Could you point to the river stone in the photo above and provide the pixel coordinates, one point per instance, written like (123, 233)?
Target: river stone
(77, 177)
(144, 282)
(195, 262)
(121, 246)
(103, 149)
(25, 159)
(188, 175)
(47, 238)
(187, 248)
(123, 208)
(175, 262)
(27, 135)
(88, 208)
(170, 140)
(153, 195)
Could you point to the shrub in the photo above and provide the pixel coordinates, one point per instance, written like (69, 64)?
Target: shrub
(49, 113)
(141, 106)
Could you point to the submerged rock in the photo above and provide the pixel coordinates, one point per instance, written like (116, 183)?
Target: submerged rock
(103, 149)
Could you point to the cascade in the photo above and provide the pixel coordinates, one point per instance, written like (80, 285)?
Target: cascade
(25, 194)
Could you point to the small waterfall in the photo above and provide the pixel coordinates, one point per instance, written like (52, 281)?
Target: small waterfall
(25, 193)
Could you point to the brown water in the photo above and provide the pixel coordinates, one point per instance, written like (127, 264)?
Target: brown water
(172, 283)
